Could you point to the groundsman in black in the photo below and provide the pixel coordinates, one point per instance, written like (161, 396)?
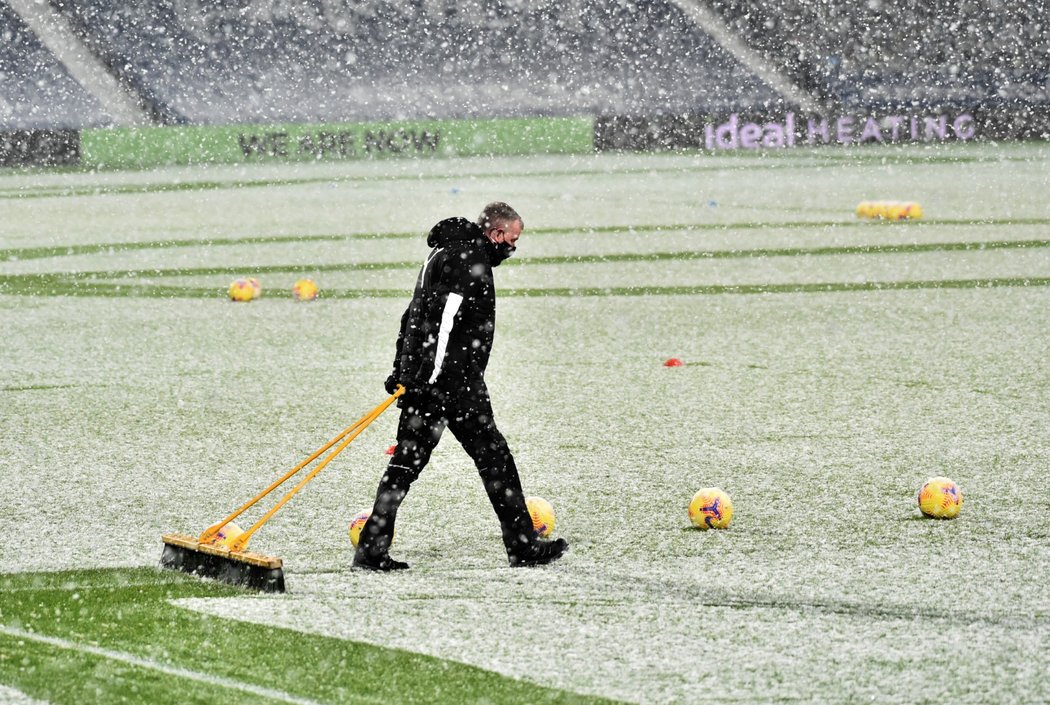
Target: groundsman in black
(442, 352)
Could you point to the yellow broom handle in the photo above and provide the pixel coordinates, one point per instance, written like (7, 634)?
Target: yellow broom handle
(211, 531)
(208, 534)
(241, 541)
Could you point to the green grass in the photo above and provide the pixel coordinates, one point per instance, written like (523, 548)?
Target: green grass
(148, 641)
(830, 366)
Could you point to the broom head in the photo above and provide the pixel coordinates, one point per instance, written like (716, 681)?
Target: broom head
(243, 568)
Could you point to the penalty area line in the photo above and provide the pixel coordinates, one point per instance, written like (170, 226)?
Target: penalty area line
(176, 671)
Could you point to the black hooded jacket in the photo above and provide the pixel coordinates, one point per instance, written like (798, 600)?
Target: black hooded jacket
(447, 329)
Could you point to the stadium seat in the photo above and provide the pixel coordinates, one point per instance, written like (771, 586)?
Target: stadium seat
(386, 60)
(36, 92)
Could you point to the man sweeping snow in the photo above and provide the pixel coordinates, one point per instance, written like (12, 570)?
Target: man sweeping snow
(442, 352)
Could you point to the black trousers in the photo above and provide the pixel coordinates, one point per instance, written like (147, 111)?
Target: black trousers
(468, 415)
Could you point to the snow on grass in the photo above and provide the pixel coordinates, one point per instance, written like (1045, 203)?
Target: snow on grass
(665, 638)
(577, 192)
(11, 696)
(820, 413)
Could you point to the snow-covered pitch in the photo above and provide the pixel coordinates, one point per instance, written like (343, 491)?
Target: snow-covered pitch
(831, 366)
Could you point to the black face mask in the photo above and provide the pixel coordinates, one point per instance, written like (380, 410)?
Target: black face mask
(500, 251)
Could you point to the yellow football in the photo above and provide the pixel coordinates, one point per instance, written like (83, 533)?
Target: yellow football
(940, 498)
(241, 290)
(304, 290)
(542, 514)
(711, 508)
(356, 524)
(889, 210)
(226, 534)
(912, 211)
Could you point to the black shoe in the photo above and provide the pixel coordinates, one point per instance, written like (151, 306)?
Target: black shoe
(540, 553)
(383, 563)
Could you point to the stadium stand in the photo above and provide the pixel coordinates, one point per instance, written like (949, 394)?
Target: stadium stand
(898, 52)
(333, 61)
(36, 92)
(259, 61)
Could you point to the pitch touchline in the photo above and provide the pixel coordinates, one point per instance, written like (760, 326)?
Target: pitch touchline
(161, 668)
(81, 587)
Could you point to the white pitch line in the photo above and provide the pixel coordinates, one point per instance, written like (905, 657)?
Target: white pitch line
(13, 696)
(160, 667)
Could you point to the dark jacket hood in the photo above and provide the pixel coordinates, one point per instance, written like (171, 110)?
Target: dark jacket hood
(453, 230)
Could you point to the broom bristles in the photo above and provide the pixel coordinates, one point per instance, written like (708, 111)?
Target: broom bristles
(242, 568)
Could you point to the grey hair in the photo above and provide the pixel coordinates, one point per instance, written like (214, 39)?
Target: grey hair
(498, 212)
